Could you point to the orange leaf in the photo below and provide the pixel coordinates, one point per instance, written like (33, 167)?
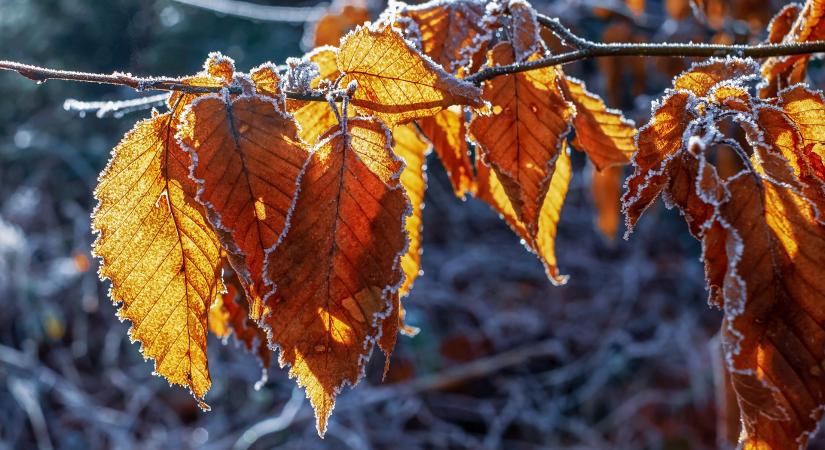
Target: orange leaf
(543, 244)
(522, 138)
(159, 251)
(525, 29)
(395, 82)
(604, 134)
(336, 23)
(781, 72)
(774, 338)
(246, 159)
(702, 77)
(452, 33)
(413, 150)
(448, 134)
(230, 315)
(606, 188)
(338, 268)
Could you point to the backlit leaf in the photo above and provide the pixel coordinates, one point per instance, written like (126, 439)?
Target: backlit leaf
(395, 82)
(159, 251)
(411, 148)
(773, 291)
(522, 137)
(246, 159)
(448, 134)
(602, 133)
(783, 71)
(454, 34)
(338, 268)
(543, 244)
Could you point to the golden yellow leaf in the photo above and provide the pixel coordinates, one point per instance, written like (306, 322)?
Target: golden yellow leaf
(602, 133)
(448, 134)
(413, 150)
(328, 309)
(247, 157)
(159, 251)
(394, 81)
(491, 191)
(522, 137)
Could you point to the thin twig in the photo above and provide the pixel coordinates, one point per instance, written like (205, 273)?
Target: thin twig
(42, 74)
(116, 108)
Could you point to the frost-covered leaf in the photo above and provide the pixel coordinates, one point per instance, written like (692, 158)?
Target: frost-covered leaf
(447, 132)
(159, 251)
(455, 34)
(247, 157)
(411, 148)
(543, 244)
(525, 29)
(774, 339)
(338, 268)
(522, 137)
(783, 71)
(602, 133)
(395, 82)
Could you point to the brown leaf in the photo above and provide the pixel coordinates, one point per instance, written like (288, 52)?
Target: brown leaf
(772, 286)
(454, 34)
(247, 157)
(543, 244)
(338, 268)
(784, 71)
(521, 139)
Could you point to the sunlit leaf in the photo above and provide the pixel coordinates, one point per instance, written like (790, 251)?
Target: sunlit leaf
(522, 137)
(447, 132)
(159, 251)
(338, 267)
(246, 159)
(395, 82)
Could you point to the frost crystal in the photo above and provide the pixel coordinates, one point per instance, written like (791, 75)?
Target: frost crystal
(299, 74)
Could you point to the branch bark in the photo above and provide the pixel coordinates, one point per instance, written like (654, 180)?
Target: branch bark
(581, 49)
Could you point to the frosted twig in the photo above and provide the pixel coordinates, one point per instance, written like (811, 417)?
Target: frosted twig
(265, 13)
(42, 74)
(114, 108)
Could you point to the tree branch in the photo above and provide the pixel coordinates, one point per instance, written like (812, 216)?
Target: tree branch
(42, 74)
(582, 49)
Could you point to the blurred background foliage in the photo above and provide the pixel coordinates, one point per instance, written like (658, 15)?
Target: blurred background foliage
(618, 358)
